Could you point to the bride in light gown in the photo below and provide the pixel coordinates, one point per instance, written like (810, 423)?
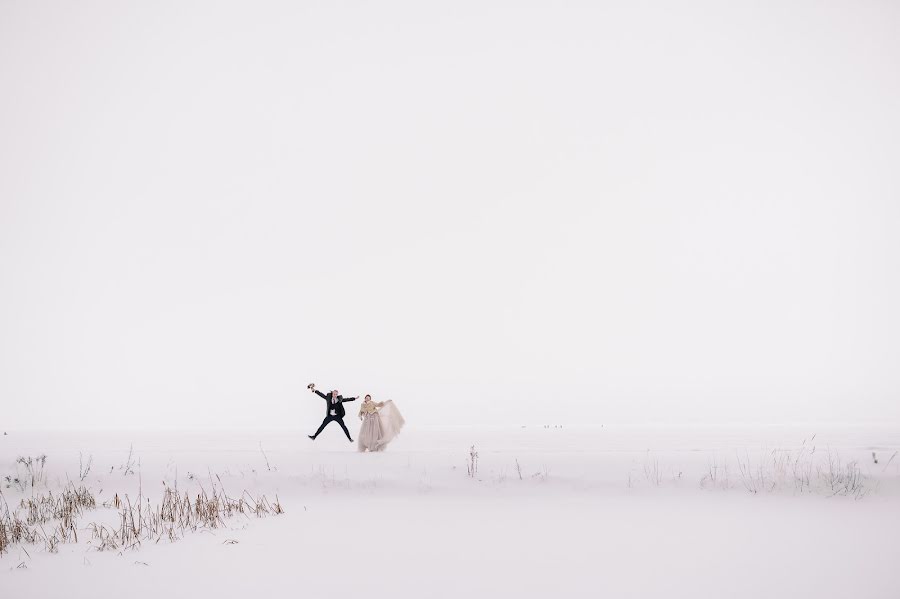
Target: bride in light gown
(381, 422)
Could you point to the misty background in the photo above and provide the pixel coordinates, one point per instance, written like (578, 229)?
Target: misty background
(490, 212)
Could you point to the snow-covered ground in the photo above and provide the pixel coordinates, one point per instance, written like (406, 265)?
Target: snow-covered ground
(609, 512)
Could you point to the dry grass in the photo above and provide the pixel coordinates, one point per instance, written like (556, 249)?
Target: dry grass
(652, 471)
(47, 518)
(717, 475)
(472, 463)
(177, 514)
(29, 471)
(52, 519)
(802, 470)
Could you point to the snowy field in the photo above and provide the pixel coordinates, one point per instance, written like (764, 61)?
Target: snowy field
(609, 512)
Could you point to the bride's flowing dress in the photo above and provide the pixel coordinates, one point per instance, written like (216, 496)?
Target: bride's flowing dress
(369, 437)
(381, 423)
(391, 421)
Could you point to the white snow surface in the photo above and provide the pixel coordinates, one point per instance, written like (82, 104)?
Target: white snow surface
(603, 512)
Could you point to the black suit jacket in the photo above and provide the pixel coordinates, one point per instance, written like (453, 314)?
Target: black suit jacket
(338, 407)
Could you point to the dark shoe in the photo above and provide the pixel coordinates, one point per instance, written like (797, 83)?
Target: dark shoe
(351, 440)
(313, 437)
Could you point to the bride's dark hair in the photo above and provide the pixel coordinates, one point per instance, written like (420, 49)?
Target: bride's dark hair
(367, 396)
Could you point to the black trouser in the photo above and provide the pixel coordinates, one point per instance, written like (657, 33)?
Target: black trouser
(339, 420)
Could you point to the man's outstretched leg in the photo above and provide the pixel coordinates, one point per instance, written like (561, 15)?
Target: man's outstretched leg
(324, 423)
(344, 426)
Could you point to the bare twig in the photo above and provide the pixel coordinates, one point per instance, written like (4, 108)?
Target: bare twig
(265, 457)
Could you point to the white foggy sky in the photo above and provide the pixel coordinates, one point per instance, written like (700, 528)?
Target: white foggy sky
(578, 212)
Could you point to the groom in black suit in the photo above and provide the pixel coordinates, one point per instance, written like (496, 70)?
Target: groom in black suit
(334, 410)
